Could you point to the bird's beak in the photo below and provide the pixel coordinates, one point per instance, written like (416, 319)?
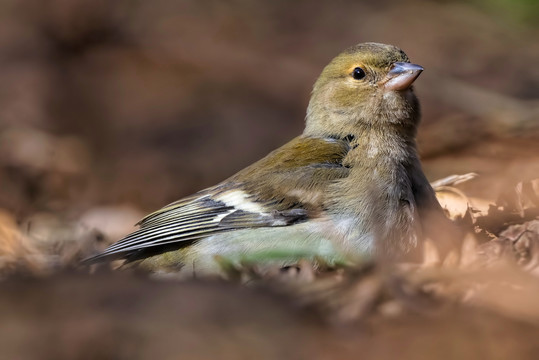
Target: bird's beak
(401, 76)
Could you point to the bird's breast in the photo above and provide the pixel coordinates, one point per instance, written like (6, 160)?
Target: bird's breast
(374, 207)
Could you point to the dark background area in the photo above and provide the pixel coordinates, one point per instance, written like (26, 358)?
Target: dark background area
(134, 103)
(111, 109)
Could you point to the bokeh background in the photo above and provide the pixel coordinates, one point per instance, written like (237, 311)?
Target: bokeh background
(111, 109)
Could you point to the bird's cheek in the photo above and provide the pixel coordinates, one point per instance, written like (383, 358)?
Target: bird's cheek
(346, 99)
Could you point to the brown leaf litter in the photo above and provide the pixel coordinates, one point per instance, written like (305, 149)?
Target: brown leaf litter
(479, 300)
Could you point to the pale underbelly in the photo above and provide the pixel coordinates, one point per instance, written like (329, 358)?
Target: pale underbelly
(326, 241)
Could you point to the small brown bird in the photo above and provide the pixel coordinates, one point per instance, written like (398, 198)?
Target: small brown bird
(351, 185)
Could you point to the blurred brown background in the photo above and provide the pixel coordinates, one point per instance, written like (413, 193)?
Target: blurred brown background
(111, 109)
(137, 103)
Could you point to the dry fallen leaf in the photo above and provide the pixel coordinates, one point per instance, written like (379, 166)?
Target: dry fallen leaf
(16, 251)
(453, 201)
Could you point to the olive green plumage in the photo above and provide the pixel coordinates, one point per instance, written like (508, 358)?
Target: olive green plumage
(350, 185)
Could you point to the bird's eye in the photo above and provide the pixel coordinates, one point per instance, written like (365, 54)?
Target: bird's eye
(358, 73)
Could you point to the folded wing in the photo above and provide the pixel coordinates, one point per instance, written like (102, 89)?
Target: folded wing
(284, 188)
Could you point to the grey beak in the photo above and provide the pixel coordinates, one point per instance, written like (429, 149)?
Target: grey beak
(401, 76)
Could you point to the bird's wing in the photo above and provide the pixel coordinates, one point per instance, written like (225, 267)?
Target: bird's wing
(284, 188)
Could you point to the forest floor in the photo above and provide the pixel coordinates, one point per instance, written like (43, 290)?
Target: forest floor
(109, 110)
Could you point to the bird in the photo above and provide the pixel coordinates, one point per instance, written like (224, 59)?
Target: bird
(350, 186)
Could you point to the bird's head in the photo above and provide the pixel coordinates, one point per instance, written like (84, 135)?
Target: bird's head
(368, 84)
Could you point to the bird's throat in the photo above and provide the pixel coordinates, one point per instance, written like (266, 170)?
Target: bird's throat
(387, 145)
